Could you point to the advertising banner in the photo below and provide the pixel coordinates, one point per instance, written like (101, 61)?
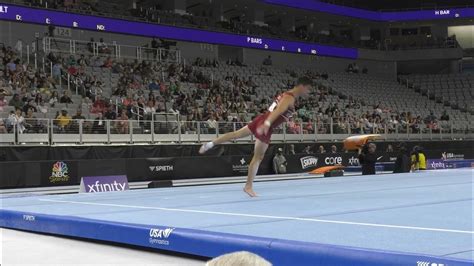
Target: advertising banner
(95, 184)
(59, 173)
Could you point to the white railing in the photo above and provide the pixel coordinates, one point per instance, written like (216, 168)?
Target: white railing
(114, 50)
(172, 130)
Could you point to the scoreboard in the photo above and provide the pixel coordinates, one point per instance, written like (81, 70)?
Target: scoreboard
(24, 14)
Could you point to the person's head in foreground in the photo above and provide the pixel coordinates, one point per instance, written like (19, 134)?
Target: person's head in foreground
(241, 258)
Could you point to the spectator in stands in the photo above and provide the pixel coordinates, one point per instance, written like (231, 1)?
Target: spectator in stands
(3, 127)
(444, 116)
(57, 69)
(54, 98)
(291, 151)
(16, 101)
(321, 149)
(154, 85)
(83, 62)
(65, 98)
(11, 67)
(430, 118)
(355, 68)
(122, 123)
(3, 93)
(42, 108)
(76, 120)
(16, 120)
(365, 70)
(212, 124)
(108, 63)
(99, 125)
(279, 162)
(333, 149)
(32, 124)
(307, 150)
(350, 68)
(99, 105)
(102, 47)
(268, 61)
(389, 148)
(30, 105)
(63, 121)
(110, 114)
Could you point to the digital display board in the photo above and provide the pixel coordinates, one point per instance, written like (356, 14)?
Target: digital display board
(87, 22)
(314, 5)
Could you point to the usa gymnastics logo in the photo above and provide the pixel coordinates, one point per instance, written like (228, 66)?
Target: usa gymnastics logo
(160, 236)
(59, 173)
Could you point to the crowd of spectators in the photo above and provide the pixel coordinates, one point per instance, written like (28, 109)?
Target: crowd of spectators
(149, 87)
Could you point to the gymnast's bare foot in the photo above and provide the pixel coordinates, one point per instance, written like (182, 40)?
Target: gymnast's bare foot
(249, 191)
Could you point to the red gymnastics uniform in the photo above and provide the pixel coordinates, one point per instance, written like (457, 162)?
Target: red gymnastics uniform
(260, 120)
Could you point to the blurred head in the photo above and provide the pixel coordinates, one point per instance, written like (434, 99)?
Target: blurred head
(239, 259)
(18, 111)
(372, 147)
(304, 85)
(63, 112)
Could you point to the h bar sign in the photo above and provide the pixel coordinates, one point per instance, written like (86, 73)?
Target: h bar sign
(94, 184)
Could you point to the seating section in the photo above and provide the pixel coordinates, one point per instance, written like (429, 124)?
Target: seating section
(456, 89)
(222, 92)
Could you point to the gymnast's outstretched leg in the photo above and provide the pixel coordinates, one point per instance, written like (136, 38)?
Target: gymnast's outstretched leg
(241, 133)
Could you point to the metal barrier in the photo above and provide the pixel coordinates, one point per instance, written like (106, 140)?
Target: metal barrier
(114, 50)
(98, 131)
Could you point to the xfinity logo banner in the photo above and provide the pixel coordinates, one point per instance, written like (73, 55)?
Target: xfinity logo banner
(94, 184)
(354, 161)
(308, 161)
(436, 164)
(160, 236)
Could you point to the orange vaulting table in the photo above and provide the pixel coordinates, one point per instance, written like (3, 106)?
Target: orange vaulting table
(355, 142)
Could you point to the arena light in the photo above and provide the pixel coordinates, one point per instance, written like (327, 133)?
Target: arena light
(375, 15)
(87, 22)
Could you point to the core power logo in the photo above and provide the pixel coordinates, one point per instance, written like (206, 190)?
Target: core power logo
(333, 160)
(160, 236)
(59, 172)
(308, 161)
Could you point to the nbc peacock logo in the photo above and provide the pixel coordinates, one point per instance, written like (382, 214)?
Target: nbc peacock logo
(59, 173)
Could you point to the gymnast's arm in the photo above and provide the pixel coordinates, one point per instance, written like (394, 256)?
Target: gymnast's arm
(285, 103)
